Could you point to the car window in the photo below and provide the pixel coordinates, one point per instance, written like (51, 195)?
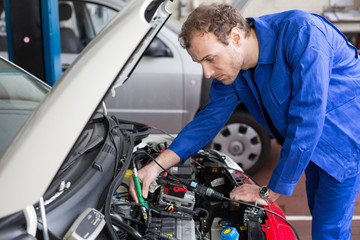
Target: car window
(80, 22)
(100, 15)
(20, 94)
(158, 48)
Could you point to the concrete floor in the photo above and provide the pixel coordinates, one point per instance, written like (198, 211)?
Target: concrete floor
(295, 207)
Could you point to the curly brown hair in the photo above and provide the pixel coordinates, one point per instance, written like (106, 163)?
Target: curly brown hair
(218, 18)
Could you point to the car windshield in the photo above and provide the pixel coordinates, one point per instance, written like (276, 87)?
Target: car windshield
(20, 94)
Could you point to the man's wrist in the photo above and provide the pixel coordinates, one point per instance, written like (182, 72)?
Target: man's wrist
(166, 159)
(264, 193)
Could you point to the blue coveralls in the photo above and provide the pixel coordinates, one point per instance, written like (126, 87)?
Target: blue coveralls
(308, 75)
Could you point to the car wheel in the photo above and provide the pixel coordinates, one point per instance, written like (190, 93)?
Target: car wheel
(245, 141)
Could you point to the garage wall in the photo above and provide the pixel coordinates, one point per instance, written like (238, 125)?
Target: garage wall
(255, 8)
(260, 7)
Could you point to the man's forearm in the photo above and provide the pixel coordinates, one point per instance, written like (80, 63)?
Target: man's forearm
(166, 159)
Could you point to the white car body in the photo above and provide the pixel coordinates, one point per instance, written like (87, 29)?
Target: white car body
(64, 112)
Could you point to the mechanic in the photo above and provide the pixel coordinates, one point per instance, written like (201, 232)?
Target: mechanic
(300, 78)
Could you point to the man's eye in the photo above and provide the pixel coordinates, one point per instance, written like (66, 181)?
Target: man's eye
(210, 59)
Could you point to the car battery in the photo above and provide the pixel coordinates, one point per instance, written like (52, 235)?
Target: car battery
(176, 194)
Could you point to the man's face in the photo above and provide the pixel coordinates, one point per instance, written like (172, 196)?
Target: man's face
(218, 60)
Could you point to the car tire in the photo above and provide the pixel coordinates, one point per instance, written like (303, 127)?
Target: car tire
(245, 141)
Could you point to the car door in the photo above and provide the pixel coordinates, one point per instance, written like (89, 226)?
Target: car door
(154, 93)
(157, 81)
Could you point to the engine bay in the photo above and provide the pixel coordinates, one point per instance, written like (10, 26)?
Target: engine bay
(187, 201)
(89, 196)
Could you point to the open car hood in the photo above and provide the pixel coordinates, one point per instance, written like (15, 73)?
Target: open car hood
(60, 118)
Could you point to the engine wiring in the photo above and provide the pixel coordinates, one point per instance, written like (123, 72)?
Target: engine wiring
(219, 195)
(160, 130)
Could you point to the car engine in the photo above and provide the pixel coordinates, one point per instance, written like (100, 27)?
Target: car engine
(186, 202)
(89, 196)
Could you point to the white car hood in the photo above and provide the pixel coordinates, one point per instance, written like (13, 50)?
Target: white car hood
(32, 159)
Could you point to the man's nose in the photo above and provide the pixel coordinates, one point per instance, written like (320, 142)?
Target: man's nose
(208, 71)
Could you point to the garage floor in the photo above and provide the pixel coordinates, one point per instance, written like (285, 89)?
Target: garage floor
(295, 207)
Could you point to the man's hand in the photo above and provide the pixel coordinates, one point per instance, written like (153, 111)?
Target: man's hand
(150, 172)
(250, 193)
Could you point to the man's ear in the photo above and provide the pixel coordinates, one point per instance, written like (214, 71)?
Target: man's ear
(235, 36)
